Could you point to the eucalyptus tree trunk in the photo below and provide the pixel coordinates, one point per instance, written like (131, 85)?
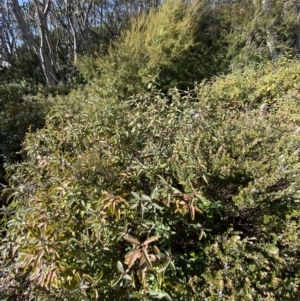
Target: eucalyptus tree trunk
(43, 48)
(297, 40)
(78, 14)
(8, 34)
(271, 34)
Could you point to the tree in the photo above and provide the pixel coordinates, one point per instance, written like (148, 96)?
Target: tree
(9, 32)
(59, 30)
(43, 48)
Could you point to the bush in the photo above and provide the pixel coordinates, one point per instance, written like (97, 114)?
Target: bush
(160, 45)
(17, 113)
(185, 196)
(250, 88)
(258, 31)
(23, 107)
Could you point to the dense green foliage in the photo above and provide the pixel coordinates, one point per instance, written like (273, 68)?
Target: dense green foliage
(183, 43)
(255, 31)
(130, 187)
(219, 193)
(18, 114)
(23, 106)
(160, 44)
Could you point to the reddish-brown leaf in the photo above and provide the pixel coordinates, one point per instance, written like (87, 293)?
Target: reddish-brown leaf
(137, 254)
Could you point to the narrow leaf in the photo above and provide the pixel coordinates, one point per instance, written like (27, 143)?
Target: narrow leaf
(107, 204)
(156, 250)
(163, 180)
(205, 179)
(50, 279)
(146, 256)
(153, 294)
(135, 195)
(88, 278)
(146, 198)
(119, 279)
(37, 262)
(202, 234)
(132, 240)
(142, 211)
(134, 206)
(151, 239)
(192, 211)
(142, 273)
(167, 296)
(118, 214)
(95, 294)
(135, 296)
(154, 193)
(172, 265)
(160, 296)
(127, 257)
(143, 263)
(197, 209)
(176, 191)
(157, 206)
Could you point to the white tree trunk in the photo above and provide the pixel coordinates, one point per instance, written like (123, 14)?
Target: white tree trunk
(271, 35)
(41, 48)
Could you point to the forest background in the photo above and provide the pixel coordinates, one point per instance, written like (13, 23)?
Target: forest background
(149, 150)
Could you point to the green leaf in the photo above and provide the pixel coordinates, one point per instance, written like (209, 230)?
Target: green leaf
(202, 234)
(167, 296)
(153, 293)
(176, 191)
(118, 280)
(120, 266)
(135, 296)
(163, 180)
(142, 211)
(88, 278)
(160, 296)
(136, 196)
(127, 277)
(154, 193)
(134, 206)
(157, 206)
(205, 179)
(95, 294)
(146, 198)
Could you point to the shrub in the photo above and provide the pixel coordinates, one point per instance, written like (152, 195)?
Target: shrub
(185, 196)
(160, 44)
(258, 31)
(250, 88)
(23, 107)
(17, 113)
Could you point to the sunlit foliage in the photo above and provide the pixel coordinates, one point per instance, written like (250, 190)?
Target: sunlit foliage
(178, 196)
